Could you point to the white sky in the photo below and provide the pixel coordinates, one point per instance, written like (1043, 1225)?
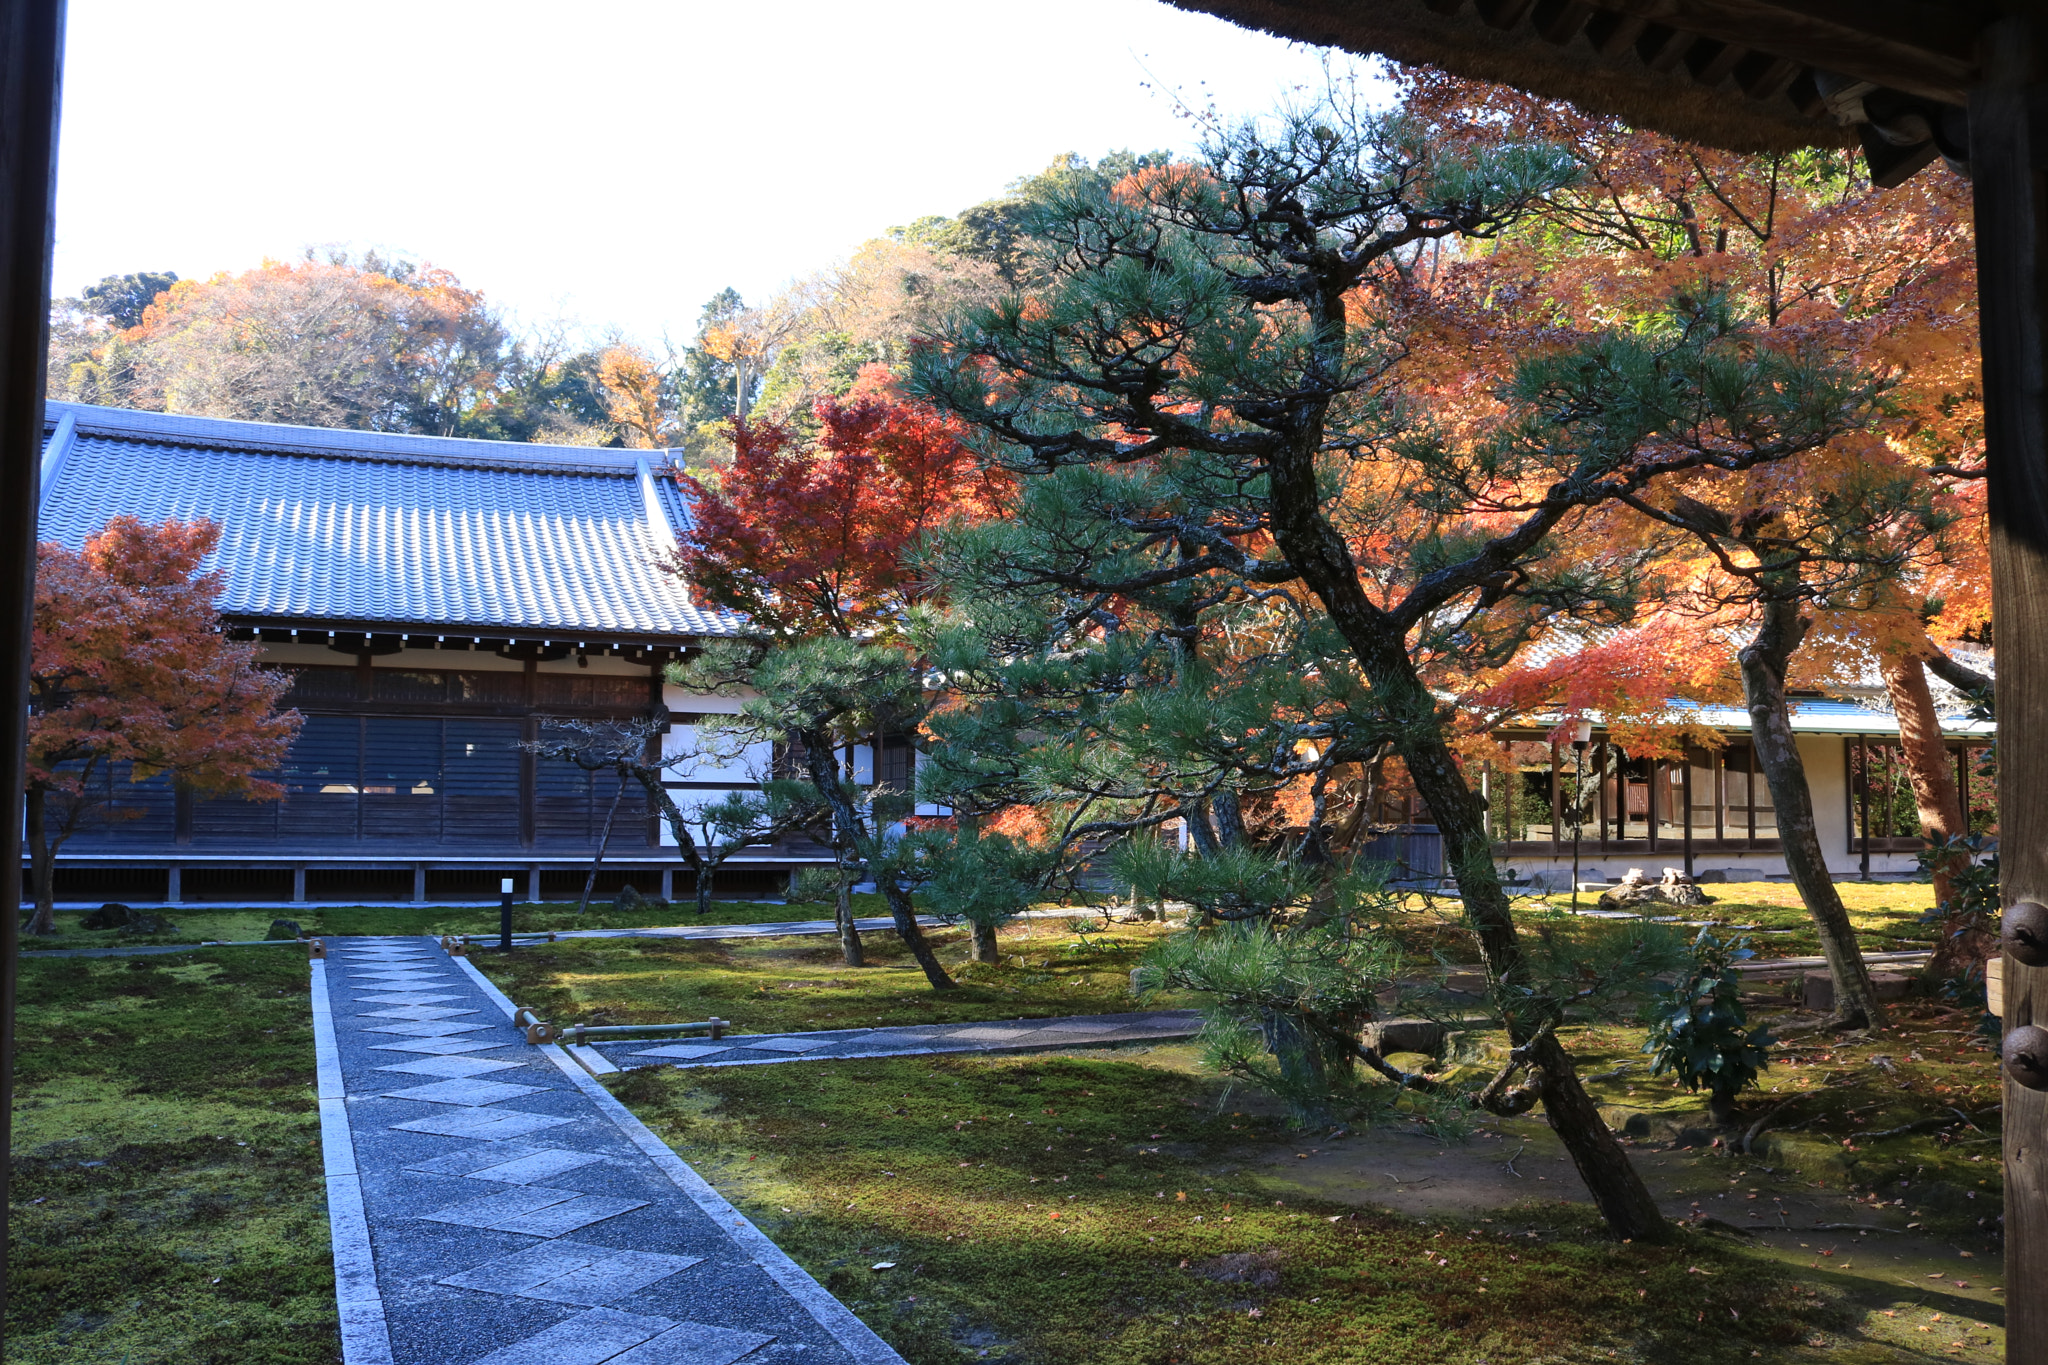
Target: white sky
(613, 163)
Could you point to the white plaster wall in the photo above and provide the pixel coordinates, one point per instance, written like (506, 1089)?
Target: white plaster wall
(721, 760)
(678, 700)
(690, 802)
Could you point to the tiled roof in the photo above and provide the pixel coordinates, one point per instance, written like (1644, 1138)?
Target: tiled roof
(369, 528)
(1810, 716)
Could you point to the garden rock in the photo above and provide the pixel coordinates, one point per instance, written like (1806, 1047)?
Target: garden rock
(128, 920)
(1637, 890)
(1425, 1036)
(284, 929)
(1818, 995)
(629, 901)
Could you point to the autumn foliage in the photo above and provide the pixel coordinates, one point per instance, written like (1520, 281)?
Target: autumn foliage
(129, 668)
(808, 539)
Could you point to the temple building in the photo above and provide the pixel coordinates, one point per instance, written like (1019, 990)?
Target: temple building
(437, 602)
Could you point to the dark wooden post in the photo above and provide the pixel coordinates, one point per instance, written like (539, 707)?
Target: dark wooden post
(2008, 158)
(1863, 797)
(1687, 796)
(31, 59)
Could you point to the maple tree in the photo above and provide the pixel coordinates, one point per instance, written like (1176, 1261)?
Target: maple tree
(1799, 246)
(131, 677)
(1204, 396)
(808, 539)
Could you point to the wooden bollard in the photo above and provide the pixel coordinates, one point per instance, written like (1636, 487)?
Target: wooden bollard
(315, 948)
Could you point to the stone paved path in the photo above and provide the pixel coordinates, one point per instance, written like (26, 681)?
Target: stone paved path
(492, 1204)
(1008, 1035)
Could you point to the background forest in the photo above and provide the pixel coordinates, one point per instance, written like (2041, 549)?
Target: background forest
(389, 344)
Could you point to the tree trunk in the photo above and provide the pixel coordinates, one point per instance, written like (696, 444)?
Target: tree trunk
(1965, 942)
(1624, 1201)
(1379, 643)
(704, 888)
(1763, 663)
(986, 947)
(603, 841)
(42, 864)
(678, 827)
(842, 918)
(1721, 1107)
(904, 913)
(823, 762)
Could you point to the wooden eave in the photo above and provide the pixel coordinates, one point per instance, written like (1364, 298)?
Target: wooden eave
(1745, 75)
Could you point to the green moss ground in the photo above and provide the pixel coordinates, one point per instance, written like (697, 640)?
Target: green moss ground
(197, 924)
(1098, 1209)
(166, 1199)
(786, 984)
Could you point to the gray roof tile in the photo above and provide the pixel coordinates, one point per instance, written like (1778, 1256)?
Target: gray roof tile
(368, 527)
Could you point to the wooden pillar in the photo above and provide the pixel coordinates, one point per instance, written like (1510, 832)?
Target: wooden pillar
(31, 60)
(1556, 799)
(1863, 797)
(419, 882)
(533, 884)
(299, 884)
(1600, 786)
(174, 884)
(1685, 795)
(2009, 171)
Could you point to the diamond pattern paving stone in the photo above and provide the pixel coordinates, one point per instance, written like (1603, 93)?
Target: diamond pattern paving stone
(483, 1125)
(404, 998)
(549, 1220)
(1082, 1026)
(538, 1166)
(462, 1091)
(557, 1219)
(991, 1035)
(694, 1343)
(587, 1339)
(449, 1066)
(785, 1044)
(495, 1208)
(426, 1028)
(566, 1272)
(416, 1012)
(442, 1046)
(479, 1158)
(682, 1050)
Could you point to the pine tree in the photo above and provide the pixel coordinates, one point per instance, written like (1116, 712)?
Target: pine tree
(1207, 390)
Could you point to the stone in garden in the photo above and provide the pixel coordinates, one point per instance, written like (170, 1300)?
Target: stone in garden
(629, 901)
(112, 915)
(1405, 1035)
(284, 929)
(126, 919)
(1637, 890)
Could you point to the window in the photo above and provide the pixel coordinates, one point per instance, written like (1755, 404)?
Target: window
(1884, 813)
(1537, 800)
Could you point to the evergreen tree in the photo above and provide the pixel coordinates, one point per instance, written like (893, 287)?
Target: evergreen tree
(1205, 392)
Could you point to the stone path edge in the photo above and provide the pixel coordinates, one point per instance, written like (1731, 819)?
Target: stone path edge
(365, 1338)
(978, 1048)
(859, 1340)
